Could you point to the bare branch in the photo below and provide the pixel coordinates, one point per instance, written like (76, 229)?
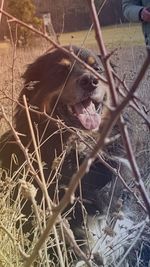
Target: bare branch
(119, 108)
(2, 5)
(55, 44)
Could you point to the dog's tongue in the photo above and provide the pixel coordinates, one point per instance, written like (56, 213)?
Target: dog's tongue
(87, 115)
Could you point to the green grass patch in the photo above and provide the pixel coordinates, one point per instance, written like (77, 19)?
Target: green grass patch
(114, 36)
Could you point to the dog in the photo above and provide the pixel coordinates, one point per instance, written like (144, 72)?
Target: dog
(65, 98)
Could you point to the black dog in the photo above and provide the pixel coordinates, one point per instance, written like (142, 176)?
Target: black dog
(62, 88)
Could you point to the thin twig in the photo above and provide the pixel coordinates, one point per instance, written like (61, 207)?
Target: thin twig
(119, 108)
(14, 53)
(77, 133)
(55, 44)
(84, 168)
(86, 164)
(2, 5)
(133, 244)
(23, 254)
(44, 188)
(23, 149)
(140, 112)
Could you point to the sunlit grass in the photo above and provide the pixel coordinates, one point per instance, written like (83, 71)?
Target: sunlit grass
(4, 46)
(114, 36)
(124, 35)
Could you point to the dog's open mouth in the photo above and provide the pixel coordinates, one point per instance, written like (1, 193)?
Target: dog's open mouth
(87, 113)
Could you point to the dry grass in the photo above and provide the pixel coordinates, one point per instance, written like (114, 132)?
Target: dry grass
(14, 62)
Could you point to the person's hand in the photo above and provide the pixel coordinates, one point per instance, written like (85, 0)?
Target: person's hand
(145, 14)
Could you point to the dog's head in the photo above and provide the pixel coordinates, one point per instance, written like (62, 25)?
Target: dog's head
(64, 88)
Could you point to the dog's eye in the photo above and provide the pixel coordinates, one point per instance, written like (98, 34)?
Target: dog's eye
(98, 69)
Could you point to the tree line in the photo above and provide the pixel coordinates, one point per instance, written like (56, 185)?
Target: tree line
(66, 15)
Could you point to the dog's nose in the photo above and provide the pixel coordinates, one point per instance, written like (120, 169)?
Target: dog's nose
(88, 82)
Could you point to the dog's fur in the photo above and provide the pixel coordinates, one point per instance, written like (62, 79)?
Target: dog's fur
(64, 89)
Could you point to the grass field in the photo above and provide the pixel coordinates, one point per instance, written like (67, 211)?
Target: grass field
(119, 35)
(114, 36)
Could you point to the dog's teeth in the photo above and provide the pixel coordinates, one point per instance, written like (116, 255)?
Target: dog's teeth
(99, 108)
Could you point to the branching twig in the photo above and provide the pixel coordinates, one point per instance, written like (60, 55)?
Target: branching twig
(119, 108)
(55, 44)
(2, 5)
(115, 114)
(23, 149)
(84, 168)
(133, 244)
(77, 133)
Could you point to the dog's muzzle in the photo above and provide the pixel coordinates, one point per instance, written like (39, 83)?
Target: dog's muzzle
(88, 82)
